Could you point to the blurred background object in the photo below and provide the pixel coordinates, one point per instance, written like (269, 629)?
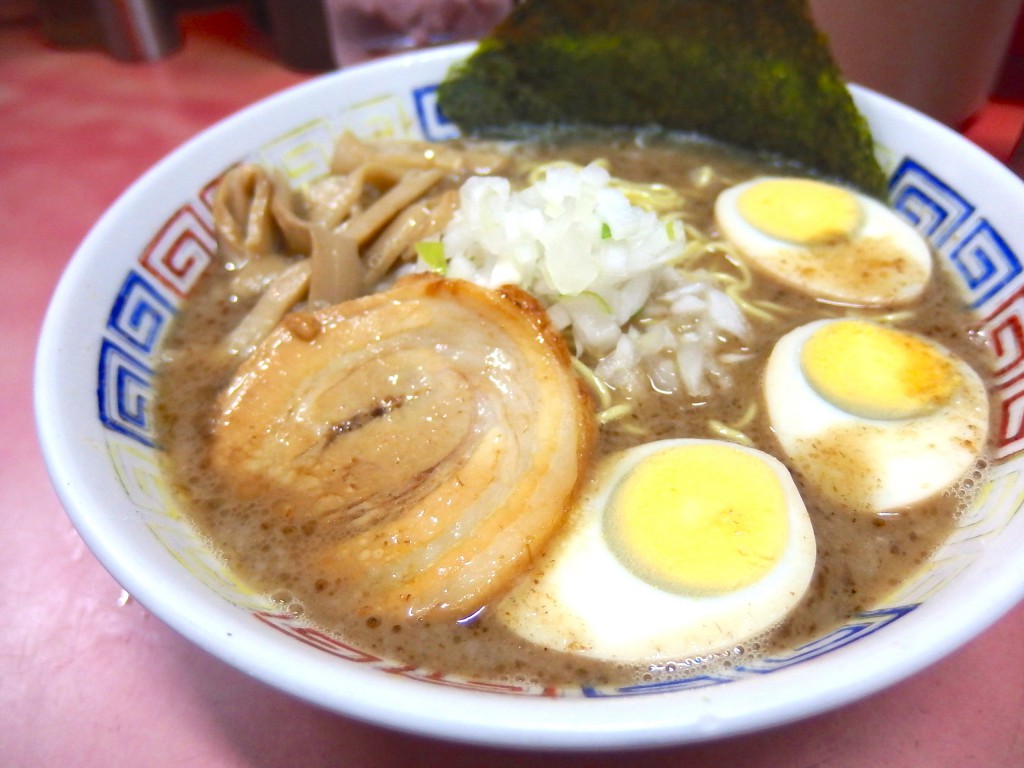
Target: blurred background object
(69, 23)
(942, 57)
(130, 30)
(363, 29)
(139, 30)
(306, 35)
(16, 10)
(299, 31)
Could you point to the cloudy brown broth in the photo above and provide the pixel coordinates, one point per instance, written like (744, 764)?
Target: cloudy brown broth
(861, 557)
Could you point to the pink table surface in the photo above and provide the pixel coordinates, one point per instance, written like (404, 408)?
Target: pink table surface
(87, 679)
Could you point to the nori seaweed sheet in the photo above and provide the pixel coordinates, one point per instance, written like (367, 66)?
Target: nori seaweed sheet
(752, 73)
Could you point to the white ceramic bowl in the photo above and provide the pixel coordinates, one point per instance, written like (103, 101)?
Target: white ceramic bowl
(111, 313)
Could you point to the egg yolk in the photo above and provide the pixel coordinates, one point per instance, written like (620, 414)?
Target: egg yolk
(876, 372)
(801, 211)
(698, 520)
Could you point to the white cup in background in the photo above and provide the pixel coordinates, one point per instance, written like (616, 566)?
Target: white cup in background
(941, 57)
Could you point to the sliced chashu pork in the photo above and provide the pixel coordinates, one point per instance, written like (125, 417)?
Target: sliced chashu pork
(434, 431)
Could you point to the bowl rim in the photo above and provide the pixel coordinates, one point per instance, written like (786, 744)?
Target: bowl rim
(468, 716)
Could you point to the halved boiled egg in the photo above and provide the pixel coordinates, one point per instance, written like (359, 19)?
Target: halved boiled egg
(876, 418)
(676, 549)
(825, 240)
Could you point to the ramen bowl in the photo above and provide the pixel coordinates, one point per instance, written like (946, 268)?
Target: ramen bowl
(109, 318)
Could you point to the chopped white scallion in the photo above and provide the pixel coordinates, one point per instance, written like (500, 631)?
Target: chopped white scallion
(605, 269)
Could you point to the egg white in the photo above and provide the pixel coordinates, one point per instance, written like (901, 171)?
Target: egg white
(812, 270)
(582, 599)
(872, 465)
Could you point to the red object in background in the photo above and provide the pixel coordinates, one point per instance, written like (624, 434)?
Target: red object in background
(1010, 86)
(999, 126)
